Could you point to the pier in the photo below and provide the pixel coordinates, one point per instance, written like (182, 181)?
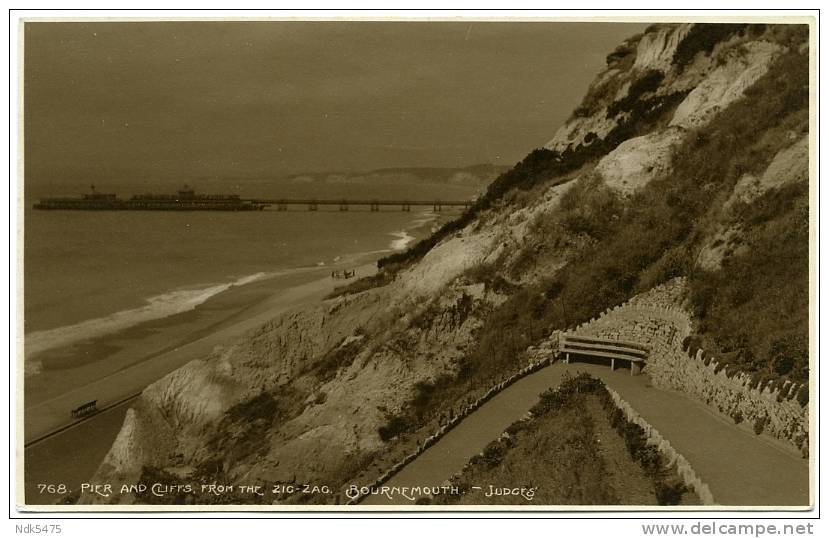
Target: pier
(313, 204)
(186, 199)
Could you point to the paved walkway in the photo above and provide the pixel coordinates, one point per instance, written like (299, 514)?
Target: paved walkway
(740, 468)
(453, 450)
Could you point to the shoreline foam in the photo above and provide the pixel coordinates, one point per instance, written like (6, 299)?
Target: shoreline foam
(402, 240)
(155, 307)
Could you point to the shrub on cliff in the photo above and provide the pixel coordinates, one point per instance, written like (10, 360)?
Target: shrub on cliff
(704, 37)
(425, 391)
(760, 424)
(243, 430)
(647, 82)
(493, 454)
(489, 274)
(615, 415)
(669, 493)
(340, 356)
(481, 272)
(394, 426)
(625, 50)
(634, 437)
(382, 278)
(590, 207)
(783, 352)
(676, 261)
(261, 407)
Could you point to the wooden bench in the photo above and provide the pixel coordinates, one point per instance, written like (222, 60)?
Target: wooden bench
(590, 346)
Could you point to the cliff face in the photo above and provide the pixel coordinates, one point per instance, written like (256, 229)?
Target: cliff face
(336, 371)
(643, 72)
(306, 396)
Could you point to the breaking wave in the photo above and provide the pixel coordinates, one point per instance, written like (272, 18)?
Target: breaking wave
(401, 241)
(156, 307)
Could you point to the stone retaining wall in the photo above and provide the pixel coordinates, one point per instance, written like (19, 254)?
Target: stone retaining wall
(663, 446)
(657, 318)
(771, 409)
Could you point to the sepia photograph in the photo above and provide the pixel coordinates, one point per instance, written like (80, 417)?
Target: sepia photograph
(344, 264)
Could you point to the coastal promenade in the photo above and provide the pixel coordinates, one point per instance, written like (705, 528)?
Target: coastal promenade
(740, 468)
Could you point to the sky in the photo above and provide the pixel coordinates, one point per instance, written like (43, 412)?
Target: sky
(183, 101)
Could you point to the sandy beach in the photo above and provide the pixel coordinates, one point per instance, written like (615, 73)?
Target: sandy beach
(127, 371)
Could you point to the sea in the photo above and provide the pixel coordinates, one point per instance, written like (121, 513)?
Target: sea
(89, 274)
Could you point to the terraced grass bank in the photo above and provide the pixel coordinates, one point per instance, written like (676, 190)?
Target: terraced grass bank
(575, 447)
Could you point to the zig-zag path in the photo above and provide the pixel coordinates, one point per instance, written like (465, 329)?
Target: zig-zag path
(740, 468)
